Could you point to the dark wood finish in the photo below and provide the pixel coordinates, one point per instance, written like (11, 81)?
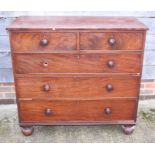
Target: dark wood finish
(34, 111)
(32, 42)
(110, 122)
(109, 87)
(80, 87)
(46, 87)
(48, 111)
(77, 63)
(128, 129)
(101, 41)
(112, 41)
(107, 111)
(27, 130)
(110, 63)
(77, 70)
(75, 22)
(44, 42)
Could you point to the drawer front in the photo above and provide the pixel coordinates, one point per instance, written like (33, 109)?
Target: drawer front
(61, 111)
(78, 87)
(111, 41)
(35, 42)
(73, 63)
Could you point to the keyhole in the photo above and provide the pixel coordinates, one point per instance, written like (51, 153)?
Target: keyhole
(45, 64)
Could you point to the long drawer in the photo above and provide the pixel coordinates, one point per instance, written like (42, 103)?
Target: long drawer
(77, 111)
(77, 87)
(77, 63)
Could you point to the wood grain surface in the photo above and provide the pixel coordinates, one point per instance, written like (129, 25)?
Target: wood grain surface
(77, 70)
(123, 41)
(77, 63)
(35, 111)
(76, 88)
(30, 42)
(75, 22)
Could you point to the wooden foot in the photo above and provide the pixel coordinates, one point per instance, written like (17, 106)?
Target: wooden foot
(27, 130)
(128, 129)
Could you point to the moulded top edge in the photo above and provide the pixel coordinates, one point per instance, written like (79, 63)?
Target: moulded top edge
(76, 23)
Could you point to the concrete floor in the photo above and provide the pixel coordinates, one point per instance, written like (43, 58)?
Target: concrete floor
(144, 131)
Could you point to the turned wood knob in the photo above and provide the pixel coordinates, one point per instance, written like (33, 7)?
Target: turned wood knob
(45, 64)
(110, 63)
(43, 42)
(112, 41)
(109, 87)
(107, 110)
(48, 111)
(46, 87)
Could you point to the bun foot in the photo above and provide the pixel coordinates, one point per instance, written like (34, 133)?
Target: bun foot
(128, 129)
(27, 130)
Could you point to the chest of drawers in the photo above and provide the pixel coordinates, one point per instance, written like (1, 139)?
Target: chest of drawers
(77, 70)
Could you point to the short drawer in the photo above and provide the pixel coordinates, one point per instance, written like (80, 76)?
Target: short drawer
(77, 111)
(74, 63)
(78, 87)
(111, 41)
(36, 42)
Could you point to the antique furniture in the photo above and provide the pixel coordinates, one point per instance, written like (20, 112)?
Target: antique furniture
(77, 70)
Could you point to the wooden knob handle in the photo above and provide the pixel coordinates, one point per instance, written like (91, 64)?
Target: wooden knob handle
(107, 110)
(109, 87)
(46, 87)
(43, 42)
(110, 63)
(45, 64)
(112, 41)
(48, 111)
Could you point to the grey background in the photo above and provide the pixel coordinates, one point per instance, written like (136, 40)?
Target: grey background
(147, 17)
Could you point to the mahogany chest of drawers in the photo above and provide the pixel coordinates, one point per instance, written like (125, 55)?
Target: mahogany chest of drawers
(77, 70)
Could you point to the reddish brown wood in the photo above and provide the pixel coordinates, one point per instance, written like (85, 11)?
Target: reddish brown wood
(64, 123)
(74, 63)
(112, 41)
(76, 22)
(107, 110)
(110, 87)
(30, 42)
(100, 41)
(48, 111)
(111, 63)
(34, 111)
(46, 87)
(78, 87)
(128, 129)
(77, 70)
(27, 130)
(44, 42)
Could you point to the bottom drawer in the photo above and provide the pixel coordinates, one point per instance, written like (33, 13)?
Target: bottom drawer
(77, 111)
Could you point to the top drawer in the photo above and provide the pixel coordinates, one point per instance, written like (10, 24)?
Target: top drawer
(111, 40)
(67, 41)
(35, 42)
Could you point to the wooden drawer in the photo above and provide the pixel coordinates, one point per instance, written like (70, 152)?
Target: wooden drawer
(77, 111)
(111, 41)
(78, 87)
(73, 63)
(36, 42)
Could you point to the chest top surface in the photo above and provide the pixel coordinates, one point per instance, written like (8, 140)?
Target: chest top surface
(76, 22)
